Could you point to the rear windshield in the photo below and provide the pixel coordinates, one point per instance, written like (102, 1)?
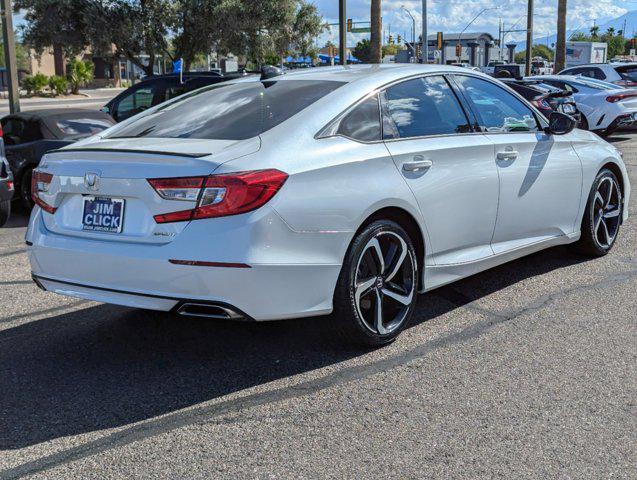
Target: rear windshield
(82, 127)
(628, 73)
(230, 111)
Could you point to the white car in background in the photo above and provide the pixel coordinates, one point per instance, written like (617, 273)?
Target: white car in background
(620, 74)
(329, 190)
(604, 106)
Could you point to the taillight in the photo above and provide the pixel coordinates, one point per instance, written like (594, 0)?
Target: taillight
(40, 183)
(619, 97)
(219, 195)
(542, 104)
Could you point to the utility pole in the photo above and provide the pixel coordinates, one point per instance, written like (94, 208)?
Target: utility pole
(342, 32)
(425, 43)
(6, 13)
(529, 38)
(376, 25)
(560, 43)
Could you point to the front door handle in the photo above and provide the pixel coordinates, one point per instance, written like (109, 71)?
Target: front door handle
(507, 155)
(417, 166)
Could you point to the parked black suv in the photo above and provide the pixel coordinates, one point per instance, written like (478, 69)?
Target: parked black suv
(159, 88)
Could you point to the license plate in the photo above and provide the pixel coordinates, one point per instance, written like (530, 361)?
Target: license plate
(103, 214)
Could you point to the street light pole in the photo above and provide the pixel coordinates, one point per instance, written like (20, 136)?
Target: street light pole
(342, 32)
(6, 13)
(529, 38)
(413, 29)
(425, 43)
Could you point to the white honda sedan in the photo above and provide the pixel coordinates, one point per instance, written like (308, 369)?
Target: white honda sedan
(343, 191)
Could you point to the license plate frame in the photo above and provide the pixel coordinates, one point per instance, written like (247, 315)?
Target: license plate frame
(106, 216)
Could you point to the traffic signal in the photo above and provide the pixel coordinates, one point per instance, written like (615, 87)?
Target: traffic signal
(399, 39)
(349, 24)
(391, 39)
(458, 50)
(439, 41)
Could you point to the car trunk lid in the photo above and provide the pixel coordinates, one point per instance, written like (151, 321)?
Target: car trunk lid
(109, 174)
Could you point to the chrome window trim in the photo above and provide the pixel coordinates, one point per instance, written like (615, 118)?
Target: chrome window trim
(321, 134)
(539, 118)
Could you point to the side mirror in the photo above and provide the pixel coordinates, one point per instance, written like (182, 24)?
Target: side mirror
(561, 124)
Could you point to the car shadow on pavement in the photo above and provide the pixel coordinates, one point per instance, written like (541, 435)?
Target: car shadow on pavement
(106, 367)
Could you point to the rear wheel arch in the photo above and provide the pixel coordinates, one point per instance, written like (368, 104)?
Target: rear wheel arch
(613, 167)
(407, 221)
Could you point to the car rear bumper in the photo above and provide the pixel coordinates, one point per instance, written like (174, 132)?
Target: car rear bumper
(142, 276)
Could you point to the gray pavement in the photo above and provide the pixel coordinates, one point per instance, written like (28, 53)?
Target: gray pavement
(524, 371)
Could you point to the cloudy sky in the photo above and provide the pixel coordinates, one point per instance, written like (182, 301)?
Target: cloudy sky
(454, 15)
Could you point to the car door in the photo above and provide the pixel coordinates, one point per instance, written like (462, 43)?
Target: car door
(449, 168)
(540, 174)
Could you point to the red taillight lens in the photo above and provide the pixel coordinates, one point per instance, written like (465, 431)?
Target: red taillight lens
(219, 195)
(620, 96)
(40, 182)
(542, 104)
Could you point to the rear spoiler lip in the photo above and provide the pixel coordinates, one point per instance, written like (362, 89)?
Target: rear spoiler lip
(126, 150)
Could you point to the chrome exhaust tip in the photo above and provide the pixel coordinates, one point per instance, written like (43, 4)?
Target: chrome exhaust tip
(205, 310)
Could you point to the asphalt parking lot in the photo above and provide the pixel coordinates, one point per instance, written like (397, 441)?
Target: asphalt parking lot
(524, 371)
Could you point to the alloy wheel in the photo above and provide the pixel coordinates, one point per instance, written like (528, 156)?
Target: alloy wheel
(606, 212)
(385, 283)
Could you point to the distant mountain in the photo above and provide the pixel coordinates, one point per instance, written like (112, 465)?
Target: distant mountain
(616, 23)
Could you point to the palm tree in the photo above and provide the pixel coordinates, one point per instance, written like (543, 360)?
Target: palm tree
(375, 37)
(594, 32)
(560, 44)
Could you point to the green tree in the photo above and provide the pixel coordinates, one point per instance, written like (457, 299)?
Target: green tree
(594, 32)
(79, 74)
(22, 56)
(537, 51)
(390, 49)
(61, 24)
(363, 51)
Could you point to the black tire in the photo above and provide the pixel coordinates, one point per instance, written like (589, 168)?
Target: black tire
(25, 190)
(355, 317)
(5, 211)
(599, 236)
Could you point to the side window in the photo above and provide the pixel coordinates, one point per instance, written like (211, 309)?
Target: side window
(137, 101)
(598, 74)
(420, 107)
(13, 129)
(497, 109)
(363, 122)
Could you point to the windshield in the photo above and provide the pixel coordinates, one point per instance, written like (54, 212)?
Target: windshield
(77, 128)
(229, 111)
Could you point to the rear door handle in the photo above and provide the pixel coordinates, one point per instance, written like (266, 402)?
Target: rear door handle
(507, 155)
(417, 166)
